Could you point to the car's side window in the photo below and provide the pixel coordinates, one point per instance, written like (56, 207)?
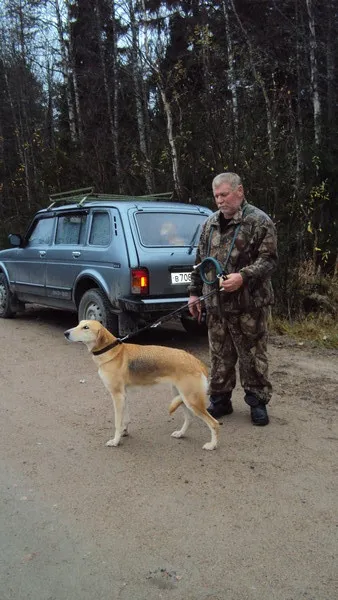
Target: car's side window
(42, 233)
(100, 229)
(71, 229)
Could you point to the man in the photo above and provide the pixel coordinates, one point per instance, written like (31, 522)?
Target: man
(243, 241)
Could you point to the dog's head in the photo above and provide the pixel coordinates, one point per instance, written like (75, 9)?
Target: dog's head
(92, 333)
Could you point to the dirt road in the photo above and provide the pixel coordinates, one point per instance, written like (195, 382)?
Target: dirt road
(160, 518)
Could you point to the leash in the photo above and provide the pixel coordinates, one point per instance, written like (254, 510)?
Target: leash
(220, 274)
(165, 318)
(153, 325)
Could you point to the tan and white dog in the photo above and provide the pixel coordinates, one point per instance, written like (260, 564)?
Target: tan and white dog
(121, 365)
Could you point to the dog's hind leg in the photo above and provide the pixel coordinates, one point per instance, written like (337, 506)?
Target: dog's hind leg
(119, 406)
(187, 420)
(195, 401)
(212, 424)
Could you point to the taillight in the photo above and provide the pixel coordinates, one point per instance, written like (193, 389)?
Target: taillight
(140, 281)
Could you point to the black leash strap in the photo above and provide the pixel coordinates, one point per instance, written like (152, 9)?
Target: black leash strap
(167, 317)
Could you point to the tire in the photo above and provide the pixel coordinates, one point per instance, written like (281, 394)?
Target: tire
(193, 327)
(95, 305)
(6, 311)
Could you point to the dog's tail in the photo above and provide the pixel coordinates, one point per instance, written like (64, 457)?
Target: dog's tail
(175, 403)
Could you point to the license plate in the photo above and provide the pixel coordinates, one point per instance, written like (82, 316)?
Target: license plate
(177, 278)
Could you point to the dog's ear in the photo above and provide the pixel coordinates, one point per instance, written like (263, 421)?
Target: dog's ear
(101, 338)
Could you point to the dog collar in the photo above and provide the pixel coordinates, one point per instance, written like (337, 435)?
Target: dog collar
(109, 347)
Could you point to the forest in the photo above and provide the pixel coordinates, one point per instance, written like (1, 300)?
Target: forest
(149, 96)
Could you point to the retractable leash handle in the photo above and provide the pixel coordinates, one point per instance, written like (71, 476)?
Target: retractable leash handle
(220, 272)
(206, 263)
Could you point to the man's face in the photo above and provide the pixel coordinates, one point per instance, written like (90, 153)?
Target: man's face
(228, 200)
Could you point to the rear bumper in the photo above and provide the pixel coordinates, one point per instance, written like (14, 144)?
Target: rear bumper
(151, 305)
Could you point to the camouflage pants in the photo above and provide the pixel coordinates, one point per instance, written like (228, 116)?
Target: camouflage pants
(240, 337)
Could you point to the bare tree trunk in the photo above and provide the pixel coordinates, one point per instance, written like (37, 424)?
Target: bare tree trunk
(335, 272)
(330, 65)
(204, 34)
(73, 74)
(19, 141)
(65, 68)
(50, 126)
(171, 140)
(115, 131)
(269, 120)
(138, 99)
(231, 71)
(295, 137)
(143, 79)
(3, 183)
(314, 75)
(153, 66)
(299, 133)
(24, 134)
(258, 78)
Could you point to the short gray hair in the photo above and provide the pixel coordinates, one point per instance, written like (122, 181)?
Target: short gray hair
(232, 178)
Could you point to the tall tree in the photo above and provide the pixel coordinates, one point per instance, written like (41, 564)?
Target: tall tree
(314, 74)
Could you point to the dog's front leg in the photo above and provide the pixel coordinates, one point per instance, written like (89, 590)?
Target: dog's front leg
(119, 406)
(126, 419)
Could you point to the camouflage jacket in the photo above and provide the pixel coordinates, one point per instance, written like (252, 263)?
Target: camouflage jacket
(254, 255)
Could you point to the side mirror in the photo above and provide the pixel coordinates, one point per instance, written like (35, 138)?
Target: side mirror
(15, 239)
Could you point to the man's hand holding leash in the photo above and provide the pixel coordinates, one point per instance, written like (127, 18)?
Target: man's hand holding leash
(231, 282)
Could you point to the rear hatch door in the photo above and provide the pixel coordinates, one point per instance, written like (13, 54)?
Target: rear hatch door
(166, 242)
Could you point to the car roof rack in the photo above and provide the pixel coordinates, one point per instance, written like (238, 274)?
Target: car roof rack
(72, 196)
(83, 195)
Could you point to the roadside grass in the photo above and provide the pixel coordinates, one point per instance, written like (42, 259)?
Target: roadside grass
(321, 329)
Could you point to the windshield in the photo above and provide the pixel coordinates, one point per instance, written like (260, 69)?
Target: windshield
(169, 229)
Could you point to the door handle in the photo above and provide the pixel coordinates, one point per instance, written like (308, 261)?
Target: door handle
(76, 254)
(42, 253)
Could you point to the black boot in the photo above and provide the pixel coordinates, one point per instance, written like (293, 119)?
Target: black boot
(220, 405)
(258, 412)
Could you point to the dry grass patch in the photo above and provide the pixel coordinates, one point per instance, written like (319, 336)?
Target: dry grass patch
(321, 329)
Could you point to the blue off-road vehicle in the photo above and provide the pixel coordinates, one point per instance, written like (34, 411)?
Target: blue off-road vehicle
(123, 260)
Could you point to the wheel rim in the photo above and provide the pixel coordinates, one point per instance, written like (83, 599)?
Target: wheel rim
(93, 312)
(3, 297)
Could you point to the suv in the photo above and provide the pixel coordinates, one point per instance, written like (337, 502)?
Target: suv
(124, 261)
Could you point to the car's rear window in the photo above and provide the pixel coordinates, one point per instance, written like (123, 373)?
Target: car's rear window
(100, 230)
(169, 229)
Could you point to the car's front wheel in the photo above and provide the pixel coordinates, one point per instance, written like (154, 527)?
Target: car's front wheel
(95, 305)
(6, 311)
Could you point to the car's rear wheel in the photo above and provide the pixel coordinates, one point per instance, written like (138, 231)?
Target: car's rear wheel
(95, 305)
(193, 327)
(6, 311)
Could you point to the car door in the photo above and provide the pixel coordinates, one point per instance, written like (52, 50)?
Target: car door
(66, 257)
(28, 270)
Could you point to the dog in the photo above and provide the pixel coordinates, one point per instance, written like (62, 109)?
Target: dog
(121, 365)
